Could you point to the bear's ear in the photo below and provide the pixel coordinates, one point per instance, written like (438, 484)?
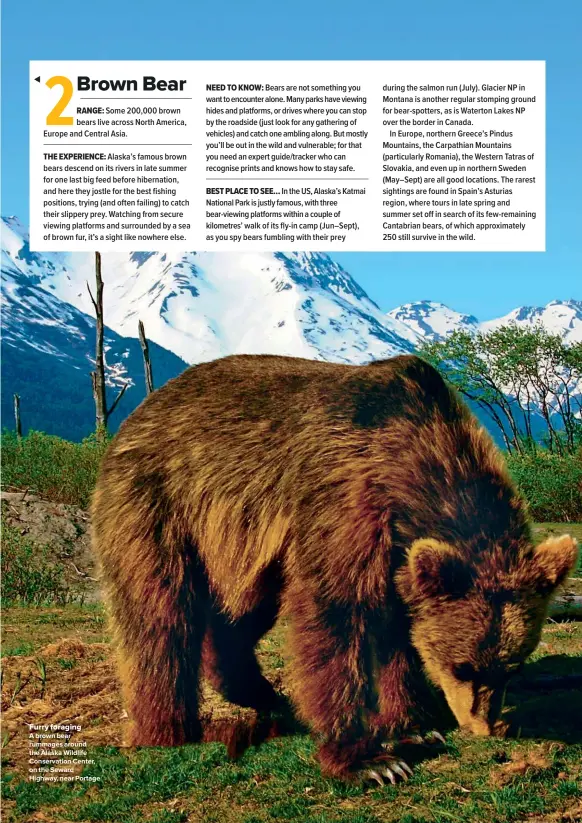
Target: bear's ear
(553, 561)
(437, 570)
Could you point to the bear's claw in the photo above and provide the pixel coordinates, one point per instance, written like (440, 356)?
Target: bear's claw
(435, 737)
(397, 768)
(428, 739)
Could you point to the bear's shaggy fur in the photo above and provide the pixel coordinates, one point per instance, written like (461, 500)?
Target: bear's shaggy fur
(365, 499)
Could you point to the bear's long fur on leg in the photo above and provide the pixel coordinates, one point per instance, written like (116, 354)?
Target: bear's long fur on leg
(405, 699)
(332, 672)
(159, 653)
(157, 595)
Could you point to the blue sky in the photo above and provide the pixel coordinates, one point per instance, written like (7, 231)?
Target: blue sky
(484, 284)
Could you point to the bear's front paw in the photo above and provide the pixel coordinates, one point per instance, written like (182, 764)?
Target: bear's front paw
(361, 761)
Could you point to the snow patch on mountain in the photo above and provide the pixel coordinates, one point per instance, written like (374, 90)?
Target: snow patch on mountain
(48, 352)
(563, 317)
(433, 321)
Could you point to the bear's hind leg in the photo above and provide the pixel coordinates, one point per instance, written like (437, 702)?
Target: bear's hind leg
(159, 618)
(229, 660)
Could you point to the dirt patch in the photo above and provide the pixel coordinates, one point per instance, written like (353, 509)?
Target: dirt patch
(77, 685)
(62, 529)
(535, 761)
(71, 682)
(572, 815)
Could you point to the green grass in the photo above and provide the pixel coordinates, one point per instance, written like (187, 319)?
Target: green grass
(67, 662)
(280, 781)
(51, 467)
(20, 649)
(25, 631)
(544, 530)
(541, 531)
(535, 774)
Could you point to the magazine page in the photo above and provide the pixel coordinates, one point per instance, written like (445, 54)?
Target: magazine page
(291, 412)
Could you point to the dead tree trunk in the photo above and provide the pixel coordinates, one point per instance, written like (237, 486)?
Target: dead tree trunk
(147, 363)
(98, 376)
(102, 412)
(17, 421)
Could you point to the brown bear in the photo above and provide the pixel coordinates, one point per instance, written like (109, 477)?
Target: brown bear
(365, 500)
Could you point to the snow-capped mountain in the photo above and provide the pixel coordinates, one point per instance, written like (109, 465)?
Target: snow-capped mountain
(207, 305)
(563, 317)
(33, 319)
(48, 350)
(196, 307)
(435, 321)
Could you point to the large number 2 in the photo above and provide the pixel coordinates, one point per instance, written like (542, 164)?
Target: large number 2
(55, 117)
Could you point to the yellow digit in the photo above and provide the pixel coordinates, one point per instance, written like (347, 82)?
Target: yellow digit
(55, 118)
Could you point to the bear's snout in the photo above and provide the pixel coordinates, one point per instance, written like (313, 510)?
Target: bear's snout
(477, 708)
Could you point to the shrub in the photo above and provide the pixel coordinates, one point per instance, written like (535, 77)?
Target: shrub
(551, 484)
(28, 575)
(51, 467)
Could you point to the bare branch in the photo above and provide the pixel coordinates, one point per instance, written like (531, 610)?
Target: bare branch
(147, 363)
(83, 574)
(91, 296)
(117, 399)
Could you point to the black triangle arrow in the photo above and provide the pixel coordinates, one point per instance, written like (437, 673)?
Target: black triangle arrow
(37, 79)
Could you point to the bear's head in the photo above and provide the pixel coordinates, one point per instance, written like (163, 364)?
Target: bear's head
(474, 624)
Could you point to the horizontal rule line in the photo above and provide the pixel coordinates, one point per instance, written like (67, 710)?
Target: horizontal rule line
(65, 145)
(242, 179)
(135, 98)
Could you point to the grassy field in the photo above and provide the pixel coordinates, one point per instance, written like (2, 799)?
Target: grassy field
(58, 667)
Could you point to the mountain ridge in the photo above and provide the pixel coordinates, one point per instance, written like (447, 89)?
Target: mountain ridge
(435, 321)
(197, 307)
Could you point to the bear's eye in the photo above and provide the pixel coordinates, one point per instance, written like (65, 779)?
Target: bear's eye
(464, 671)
